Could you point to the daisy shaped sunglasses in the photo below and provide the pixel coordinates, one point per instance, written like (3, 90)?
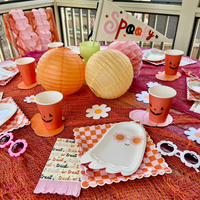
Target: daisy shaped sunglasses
(189, 158)
(15, 147)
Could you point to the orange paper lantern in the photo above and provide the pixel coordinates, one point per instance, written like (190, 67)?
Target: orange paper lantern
(61, 70)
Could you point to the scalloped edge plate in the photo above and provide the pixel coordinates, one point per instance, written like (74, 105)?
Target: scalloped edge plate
(7, 110)
(154, 55)
(5, 74)
(195, 86)
(75, 49)
(100, 156)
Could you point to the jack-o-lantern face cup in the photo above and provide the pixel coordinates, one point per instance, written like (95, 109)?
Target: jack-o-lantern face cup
(26, 66)
(54, 45)
(160, 101)
(172, 61)
(49, 104)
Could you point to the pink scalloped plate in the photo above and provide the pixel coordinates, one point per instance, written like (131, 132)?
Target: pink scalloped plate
(87, 137)
(143, 117)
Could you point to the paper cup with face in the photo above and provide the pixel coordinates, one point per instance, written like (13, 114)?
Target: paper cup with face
(172, 61)
(54, 45)
(26, 67)
(49, 104)
(160, 101)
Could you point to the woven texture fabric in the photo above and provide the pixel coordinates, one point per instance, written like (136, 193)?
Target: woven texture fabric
(19, 176)
(12, 33)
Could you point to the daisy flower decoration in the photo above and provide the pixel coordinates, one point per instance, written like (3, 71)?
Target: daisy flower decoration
(194, 134)
(150, 84)
(144, 96)
(30, 99)
(98, 111)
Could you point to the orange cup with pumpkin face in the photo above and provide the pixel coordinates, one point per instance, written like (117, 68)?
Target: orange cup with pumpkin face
(172, 61)
(49, 104)
(54, 45)
(160, 101)
(26, 67)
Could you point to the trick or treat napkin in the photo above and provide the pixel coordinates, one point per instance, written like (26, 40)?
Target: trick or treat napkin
(61, 172)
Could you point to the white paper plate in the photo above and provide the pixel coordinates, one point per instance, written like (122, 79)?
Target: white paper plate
(118, 156)
(7, 110)
(154, 55)
(75, 49)
(195, 86)
(5, 74)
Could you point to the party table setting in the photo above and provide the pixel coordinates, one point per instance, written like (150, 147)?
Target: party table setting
(116, 121)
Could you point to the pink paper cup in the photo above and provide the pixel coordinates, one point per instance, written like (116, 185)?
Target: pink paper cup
(49, 104)
(54, 45)
(172, 61)
(160, 102)
(26, 67)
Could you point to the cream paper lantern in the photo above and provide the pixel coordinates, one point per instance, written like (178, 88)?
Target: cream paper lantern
(109, 73)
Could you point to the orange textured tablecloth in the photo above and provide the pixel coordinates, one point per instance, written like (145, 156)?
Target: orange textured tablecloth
(19, 176)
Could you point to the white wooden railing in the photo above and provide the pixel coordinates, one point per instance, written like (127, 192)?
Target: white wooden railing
(188, 15)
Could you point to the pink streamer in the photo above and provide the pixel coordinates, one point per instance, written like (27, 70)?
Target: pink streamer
(59, 187)
(42, 28)
(26, 33)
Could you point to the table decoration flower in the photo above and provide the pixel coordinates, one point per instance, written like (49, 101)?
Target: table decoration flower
(193, 134)
(150, 84)
(144, 96)
(30, 99)
(109, 73)
(61, 70)
(98, 111)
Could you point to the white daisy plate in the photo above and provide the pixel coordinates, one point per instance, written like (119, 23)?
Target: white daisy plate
(194, 85)
(121, 149)
(5, 74)
(154, 55)
(7, 110)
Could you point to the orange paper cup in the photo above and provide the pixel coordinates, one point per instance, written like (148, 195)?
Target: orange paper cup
(172, 61)
(26, 67)
(54, 45)
(49, 104)
(160, 101)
